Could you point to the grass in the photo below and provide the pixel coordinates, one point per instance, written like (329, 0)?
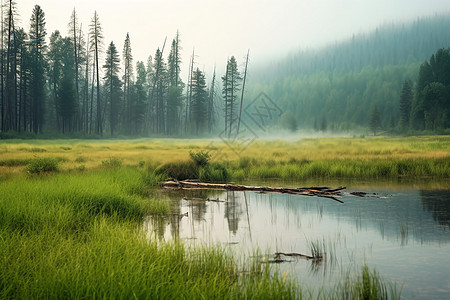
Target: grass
(367, 284)
(370, 158)
(77, 231)
(79, 235)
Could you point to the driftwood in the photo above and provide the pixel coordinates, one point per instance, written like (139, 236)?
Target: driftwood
(298, 255)
(317, 191)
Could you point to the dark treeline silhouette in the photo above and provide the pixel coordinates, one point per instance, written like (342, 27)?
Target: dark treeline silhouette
(73, 85)
(341, 85)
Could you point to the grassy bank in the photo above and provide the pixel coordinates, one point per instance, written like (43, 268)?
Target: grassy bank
(80, 236)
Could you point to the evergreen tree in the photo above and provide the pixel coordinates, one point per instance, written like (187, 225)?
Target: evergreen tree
(199, 101)
(127, 82)
(230, 91)
(96, 45)
(37, 67)
(112, 85)
(406, 98)
(61, 78)
(141, 88)
(9, 94)
(431, 106)
(23, 61)
(67, 96)
(158, 93)
(55, 71)
(75, 37)
(375, 121)
(174, 62)
(175, 90)
(211, 102)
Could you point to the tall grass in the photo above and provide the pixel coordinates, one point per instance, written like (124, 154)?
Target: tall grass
(351, 168)
(367, 284)
(380, 157)
(80, 236)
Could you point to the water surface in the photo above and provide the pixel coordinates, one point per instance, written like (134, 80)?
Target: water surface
(403, 233)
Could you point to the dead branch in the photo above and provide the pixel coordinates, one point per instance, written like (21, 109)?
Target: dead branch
(319, 191)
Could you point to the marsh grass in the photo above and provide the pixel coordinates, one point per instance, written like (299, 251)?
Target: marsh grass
(42, 165)
(80, 236)
(14, 162)
(112, 162)
(367, 284)
(381, 157)
(340, 168)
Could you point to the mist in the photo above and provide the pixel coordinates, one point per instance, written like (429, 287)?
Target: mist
(219, 29)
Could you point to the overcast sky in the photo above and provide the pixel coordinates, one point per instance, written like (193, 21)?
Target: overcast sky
(218, 28)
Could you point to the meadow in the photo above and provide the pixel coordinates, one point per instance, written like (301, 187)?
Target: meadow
(370, 158)
(71, 214)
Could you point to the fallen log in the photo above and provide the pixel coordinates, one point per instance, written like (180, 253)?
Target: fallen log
(319, 191)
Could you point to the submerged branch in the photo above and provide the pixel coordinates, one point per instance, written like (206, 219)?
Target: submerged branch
(318, 191)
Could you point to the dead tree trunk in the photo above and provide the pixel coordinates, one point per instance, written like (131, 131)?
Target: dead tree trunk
(318, 191)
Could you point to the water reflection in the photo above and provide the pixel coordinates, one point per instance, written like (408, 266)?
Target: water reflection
(438, 203)
(233, 210)
(403, 234)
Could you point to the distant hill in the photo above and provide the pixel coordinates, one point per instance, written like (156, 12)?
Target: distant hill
(340, 84)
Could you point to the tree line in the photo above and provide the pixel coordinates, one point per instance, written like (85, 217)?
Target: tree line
(65, 86)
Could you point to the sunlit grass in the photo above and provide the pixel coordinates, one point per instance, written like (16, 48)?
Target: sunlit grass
(338, 155)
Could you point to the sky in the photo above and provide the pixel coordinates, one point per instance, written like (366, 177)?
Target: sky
(218, 29)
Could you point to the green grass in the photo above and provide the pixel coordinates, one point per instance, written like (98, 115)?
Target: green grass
(367, 284)
(368, 158)
(77, 231)
(80, 236)
(346, 168)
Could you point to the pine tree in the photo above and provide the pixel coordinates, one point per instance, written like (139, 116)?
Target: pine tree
(127, 82)
(431, 106)
(112, 85)
(23, 61)
(37, 67)
(158, 93)
(406, 98)
(55, 73)
(141, 88)
(199, 101)
(230, 91)
(75, 36)
(67, 95)
(96, 46)
(375, 121)
(175, 90)
(9, 94)
(211, 98)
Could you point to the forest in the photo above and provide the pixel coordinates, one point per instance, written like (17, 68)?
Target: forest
(394, 78)
(350, 84)
(64, 87)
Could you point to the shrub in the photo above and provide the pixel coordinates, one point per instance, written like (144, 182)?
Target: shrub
(42, 165)
(180, 170)
(200, 158)
(112, 162)
(215, 172)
